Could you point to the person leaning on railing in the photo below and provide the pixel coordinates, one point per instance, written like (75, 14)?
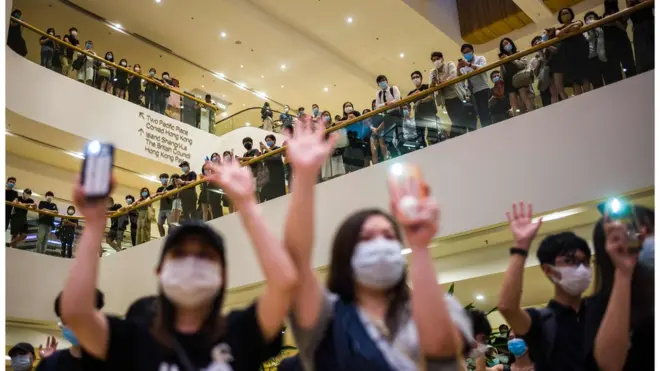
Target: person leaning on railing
(19, 226)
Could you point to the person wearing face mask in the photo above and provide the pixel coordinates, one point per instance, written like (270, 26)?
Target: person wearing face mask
(65, 61)
(276, 185)
(144, 217)
(67, 233)
(135, 86)
(56, 61)
(10, 195)
(15, 40)
(73, 358)
(188, 196)
(478, 84)
(540, 66)
(412, 140)
(574, 51)
(214, 193)
(518, 349)
(176, 202)
(46, 221)
(368, 318)
(163, 93)
(301, 112)
(118, 224)
(355, 129)
(121, 80)
(597, 53)
(250, 153)
(22, 357)
(555, 333)
(19, 226)
(388, 96)
(131, 217)
(105, 74)
(267, 117)
(508, 71)
(227, 157)
(285, 118)
(71, 38)
(86, 65)
(499, 101)
(452, 97)
(165, 203)
(620, 315)
(315, 111)
(189, 330)
(334, 165)
(425, 108)
(476, 347)
(204, 197)
(150, 101)
(47, 49)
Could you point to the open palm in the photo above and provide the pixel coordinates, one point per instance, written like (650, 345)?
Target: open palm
(520, 222)
(616, 244)
(51, 347)
(419, 225)
(307, 150)
(236, 181)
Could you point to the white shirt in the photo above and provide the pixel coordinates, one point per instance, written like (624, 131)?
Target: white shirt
(389, 97)
(480, 81)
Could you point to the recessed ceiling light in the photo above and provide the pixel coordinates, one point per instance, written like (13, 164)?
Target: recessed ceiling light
(325, 89)
(283, 67)
(479, 297)
(282, 86)
(223, 95)
(202, 86)
(224, 114)
(117, 25)
(243, 104)
(241, 66)
(158, 1)
(247, 123)
(401, 55)
(223, 35)
(349, 20)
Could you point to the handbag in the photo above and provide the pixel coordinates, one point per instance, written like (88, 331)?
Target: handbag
(78, 63)
(524, 77)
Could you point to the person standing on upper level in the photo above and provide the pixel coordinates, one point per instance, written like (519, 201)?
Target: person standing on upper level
(478, 84)
(45, 222)
(10, 196)
(15, 40)
(388, 95)
(47, 49)
(86, 71)
(453, 96)
(188, 196)
(19, 226)
(135, 86)
(150, 88)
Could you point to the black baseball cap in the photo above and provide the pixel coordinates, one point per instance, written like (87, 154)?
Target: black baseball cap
(195, 229)
(22, 348)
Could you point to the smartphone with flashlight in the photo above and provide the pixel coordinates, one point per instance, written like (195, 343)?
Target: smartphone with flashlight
(623, 212)
(412, 188)
(96, 174)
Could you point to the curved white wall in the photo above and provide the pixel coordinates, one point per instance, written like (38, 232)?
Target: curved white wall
(588, 147)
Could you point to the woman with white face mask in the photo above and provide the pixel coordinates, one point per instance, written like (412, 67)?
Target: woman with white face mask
(189, 331)
(367, 318)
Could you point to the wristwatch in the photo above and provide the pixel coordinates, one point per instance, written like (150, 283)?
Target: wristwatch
(518, 251)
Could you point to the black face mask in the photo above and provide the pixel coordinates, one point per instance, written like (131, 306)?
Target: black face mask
(247, 146)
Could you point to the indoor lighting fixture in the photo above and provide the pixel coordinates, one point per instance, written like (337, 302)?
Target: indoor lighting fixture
(223, 35)
(560, 214)
(349, 20)
(406, 251)
(117, 25)
(396, 169)
(479, 297)
(262, 76)
(158, 1)
(225, 114)
(247, 123)
(283, 67)
(243, 104)
(401, 55)
(282, 86)
(202, 86)
(241, 66)
(325, 89)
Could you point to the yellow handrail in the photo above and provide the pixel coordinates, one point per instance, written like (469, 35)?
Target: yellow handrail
(21, 206)
(413, 97)
(79, 50)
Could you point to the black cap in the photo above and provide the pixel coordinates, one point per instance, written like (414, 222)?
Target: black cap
(22, 348)
(195, 229)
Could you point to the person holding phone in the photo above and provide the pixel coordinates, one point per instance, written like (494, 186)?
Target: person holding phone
(478, 84)
(188, 196)
(367, 317)
(188, 330)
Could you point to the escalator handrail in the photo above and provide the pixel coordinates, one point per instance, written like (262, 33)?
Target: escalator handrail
(101, 59)
(414, 97)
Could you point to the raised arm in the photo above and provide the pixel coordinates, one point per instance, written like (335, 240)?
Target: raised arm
(438, 337)
(78, 302)
(524, 231)
(611, 344)
(280, 273)
(307, 151)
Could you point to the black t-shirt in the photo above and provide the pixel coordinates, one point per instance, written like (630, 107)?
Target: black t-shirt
(48, 42)
(63, 360)
(69, 228)
(567, 351)
(74, 42)
(133, 347)
(22, 213)
(190, 193)
(425, 109)
(114, 222)
(253, 153)
(165, 202)
(10, 195)
(49, 206)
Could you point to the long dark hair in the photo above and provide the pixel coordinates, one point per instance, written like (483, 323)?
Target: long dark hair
(642, 286)
(341, 279)
(514, 49)
(214, 325)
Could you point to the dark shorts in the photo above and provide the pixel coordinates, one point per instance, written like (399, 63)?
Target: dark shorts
(18, 226)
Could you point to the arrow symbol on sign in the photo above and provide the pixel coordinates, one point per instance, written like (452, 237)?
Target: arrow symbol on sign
(141, 115)
(141, 132)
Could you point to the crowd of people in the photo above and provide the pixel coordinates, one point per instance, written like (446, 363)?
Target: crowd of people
(104, 76)
(365, 316)
(597, 57)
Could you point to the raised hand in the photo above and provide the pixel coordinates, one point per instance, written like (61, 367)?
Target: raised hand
(616, 245)
(236, 181)
(51, 347)
(94, 211)
(418, 216)
(522, 227)
(307, 150)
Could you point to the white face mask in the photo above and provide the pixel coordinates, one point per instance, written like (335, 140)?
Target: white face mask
(378, 263)
(190, 282)
(438, 63)
(49, 199)
(348, 110)
(417, 81)
(574, 280)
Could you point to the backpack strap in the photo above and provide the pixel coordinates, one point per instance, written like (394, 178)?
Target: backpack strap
(549, 331)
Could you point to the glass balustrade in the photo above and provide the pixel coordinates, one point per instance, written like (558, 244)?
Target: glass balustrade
(470, 95)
